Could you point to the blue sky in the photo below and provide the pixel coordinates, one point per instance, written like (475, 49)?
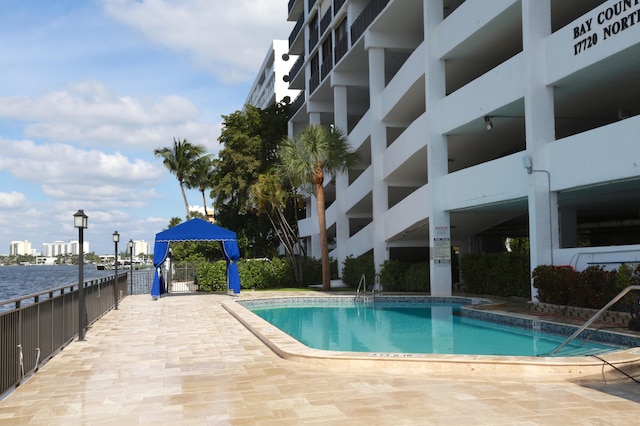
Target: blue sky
(89, 88)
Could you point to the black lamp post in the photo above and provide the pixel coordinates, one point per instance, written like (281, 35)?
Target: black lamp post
(80, 221)
(116, 239)
(131, 264)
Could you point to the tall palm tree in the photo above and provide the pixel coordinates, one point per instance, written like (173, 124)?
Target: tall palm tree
(305, 160)
(201, 178)
(179, 160)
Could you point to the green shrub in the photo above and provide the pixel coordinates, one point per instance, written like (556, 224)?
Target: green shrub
(499, 274)
(392, 275)
(212, 276)
(555, 285)
(311, 270)
(416, 278)
(354, 267)
(402, 276)
(592, 288)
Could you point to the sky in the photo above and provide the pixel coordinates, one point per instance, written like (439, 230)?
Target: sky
(88, 90)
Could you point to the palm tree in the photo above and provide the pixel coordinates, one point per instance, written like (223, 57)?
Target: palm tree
(201, 178)
(305, 160)
(180, 161)
(269, 196)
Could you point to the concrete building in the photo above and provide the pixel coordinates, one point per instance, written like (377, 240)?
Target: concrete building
(271, 85)
(140, 247)
(61, 248)
(475, 121)
(19, 248)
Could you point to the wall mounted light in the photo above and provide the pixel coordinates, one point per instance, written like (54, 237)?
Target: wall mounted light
(527, 163)
(488, 122)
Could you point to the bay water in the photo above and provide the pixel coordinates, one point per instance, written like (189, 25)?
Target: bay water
(18, 281)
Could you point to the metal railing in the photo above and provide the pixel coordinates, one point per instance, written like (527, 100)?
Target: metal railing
(326, 21)
(35, 327)
(595, 317)
(296, 30)
(297, 103)
(297, 66)
(366, 17)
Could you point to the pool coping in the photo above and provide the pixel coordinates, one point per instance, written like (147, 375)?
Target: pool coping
(289, 348)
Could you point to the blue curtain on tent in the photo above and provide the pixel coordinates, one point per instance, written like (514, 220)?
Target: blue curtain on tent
(160, 251)
(232, 254)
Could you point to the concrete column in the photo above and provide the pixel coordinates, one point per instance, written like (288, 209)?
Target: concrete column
(378, 146)
(314, 118)
(539, 130)
(342, 179)
(437, 155)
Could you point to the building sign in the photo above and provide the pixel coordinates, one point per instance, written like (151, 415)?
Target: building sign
(442, 245)
(607, 22)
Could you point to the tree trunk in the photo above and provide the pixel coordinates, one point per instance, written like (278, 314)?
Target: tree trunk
(186, 203)
(322, 225)
(204, 203)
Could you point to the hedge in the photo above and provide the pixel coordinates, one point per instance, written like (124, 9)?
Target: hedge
(592, 288)
(498, 274)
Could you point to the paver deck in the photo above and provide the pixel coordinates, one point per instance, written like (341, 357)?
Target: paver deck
(184, 360)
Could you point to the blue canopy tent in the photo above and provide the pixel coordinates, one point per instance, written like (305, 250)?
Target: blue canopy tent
(197, 230)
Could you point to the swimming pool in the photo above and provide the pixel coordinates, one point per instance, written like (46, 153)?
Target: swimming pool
(415, 326)
(608, 365)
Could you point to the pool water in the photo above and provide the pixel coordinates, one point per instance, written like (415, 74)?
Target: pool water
(422, 328)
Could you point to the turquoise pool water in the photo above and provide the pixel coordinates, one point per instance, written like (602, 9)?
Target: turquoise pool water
(412, 328)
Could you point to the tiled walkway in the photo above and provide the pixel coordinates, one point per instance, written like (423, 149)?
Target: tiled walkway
(184, 360)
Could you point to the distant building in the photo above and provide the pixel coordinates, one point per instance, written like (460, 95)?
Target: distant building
(19, 248)
(60, 248)
(272, 83)
(45, 260)
(140, 247)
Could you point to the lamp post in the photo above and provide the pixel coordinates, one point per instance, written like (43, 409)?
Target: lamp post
(80, 221)
(131, 264)
(116, 239)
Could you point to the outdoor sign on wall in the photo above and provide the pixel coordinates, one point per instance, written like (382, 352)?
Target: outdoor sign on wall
(442, 245)
(604, 23)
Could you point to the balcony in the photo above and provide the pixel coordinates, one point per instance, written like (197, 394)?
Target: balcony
(313, 37)
(341, 48)
(295, 69)
(337, 4)
(295, 31)
(296, 104)
(326, 21)
(368, 15)
(314, 82)
(326, 67)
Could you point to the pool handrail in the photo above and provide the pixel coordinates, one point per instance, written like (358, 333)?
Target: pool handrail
(596, 316)
(362, 280)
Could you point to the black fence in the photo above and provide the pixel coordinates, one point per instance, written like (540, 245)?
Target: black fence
(34, 328)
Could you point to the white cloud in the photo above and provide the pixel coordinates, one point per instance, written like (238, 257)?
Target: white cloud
(69, 173)
(91, 103)
(227, 38)
(89, 113)
(13, 200)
